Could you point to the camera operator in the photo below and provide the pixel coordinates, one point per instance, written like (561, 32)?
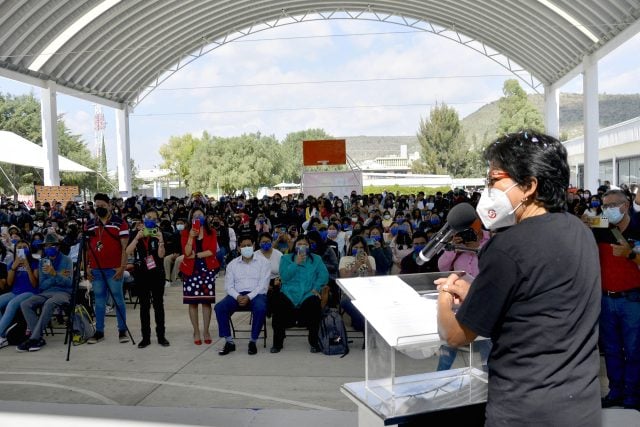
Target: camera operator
(108, 239)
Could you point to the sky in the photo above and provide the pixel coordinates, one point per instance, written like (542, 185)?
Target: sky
(420, 70)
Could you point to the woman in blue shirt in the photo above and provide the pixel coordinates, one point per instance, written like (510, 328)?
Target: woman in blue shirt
(22, 279)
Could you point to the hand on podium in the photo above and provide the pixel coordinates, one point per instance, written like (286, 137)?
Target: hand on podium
(454, 286)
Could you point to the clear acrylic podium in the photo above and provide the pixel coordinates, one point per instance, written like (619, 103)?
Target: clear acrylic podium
(401, 377)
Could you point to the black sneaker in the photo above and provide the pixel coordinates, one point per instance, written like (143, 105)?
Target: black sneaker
(96, 338)
(122, 337)
(144, 343)
(163, 342)
(25, 346)
(275, 349)
(37, 344)
(228, 348)
(252, 348)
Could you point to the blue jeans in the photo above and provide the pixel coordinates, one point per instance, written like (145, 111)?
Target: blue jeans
(620, 341)
(225, 308)
(100, 292)
(9, 305)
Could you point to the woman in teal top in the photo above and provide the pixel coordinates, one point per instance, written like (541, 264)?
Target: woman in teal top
(22, 279)
(303, 276)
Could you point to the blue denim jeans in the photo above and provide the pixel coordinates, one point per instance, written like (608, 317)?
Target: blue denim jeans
(225, 308)
(100, 292)
(620, 341)
(9, 306)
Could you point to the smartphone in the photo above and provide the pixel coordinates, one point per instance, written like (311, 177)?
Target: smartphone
(195, 225)
(4, 230)
(20, 253)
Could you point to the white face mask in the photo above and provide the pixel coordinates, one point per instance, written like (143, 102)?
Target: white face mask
(179, 227)
(495, 210)
(614, 215)
(246, 252)
(429, 205)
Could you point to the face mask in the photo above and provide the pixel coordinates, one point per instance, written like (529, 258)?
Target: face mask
(324, 234)
(435, 221)
(246, 252)
(51, 252)
(377, 238)
(313, 246)
(265, 246)
(200, 219)
(495, 210)
(387, 217)
(354, 252)
(261, 220)
(332, 234)
(400, 220)
(36, 244)
(302, 250)
(102, 212)
(393, 231)
(39, 224)
(14, 241)
(595, 204)
(18, 213)
(345, 227)
(354, 219)
(180, 227)
(429, 205)
(614, 215)
(418, 248)
(149, 223)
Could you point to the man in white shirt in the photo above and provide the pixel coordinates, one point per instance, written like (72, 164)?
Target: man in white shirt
(246, 281)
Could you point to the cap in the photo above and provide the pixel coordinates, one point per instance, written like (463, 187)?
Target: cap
(51, 239)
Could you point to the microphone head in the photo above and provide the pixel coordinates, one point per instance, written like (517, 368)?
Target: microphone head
(461, 216)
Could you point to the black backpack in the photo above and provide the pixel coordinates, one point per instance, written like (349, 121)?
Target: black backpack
(16, 334)
(332, 334)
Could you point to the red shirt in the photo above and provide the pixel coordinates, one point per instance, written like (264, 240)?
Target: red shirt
(105, 242)
(618, 273)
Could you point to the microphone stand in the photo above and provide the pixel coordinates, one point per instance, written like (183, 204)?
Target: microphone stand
(106, 284)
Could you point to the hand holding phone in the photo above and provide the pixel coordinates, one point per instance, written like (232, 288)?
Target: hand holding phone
(20, 253)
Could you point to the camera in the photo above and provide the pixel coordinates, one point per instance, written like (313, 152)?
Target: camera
(468, 235)
(149, 232)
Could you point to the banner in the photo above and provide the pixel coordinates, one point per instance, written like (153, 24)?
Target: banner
(339, 183)
(60, 193)
(324, 152)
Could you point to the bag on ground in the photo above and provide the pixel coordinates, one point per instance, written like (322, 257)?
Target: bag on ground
(16, 333)
(83, 326)
(332, 334)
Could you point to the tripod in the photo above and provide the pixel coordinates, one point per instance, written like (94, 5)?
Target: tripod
(75, 282)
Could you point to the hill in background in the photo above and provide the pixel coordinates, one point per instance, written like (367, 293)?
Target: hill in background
(613, 109)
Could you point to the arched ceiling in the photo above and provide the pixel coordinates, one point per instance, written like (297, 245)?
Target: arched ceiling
(119, 50)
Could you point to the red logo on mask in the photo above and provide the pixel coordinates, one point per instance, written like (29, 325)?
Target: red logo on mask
(491, 213)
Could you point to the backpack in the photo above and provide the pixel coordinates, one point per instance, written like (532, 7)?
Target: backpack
(332, 334)
(83, 326)
(16, 333)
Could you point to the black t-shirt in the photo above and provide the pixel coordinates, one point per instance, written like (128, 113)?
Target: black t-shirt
(537, 296)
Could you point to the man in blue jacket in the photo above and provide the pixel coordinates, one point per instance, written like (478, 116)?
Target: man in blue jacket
(55, 286)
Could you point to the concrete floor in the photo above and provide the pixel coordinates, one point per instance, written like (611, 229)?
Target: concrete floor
(184, 383)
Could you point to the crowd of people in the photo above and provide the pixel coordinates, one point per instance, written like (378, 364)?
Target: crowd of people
(281, 256)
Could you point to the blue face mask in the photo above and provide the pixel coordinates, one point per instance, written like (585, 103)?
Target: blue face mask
(400, 220)
(14, 241)
(354, 252)
(376, 238)
(51, 252)
(265, 246)
(324, 234)
(345, 227)
(149, 223)
(313, 246)
(35, 245)
(418, 248)
(595, 204)
(435, 220)
(394, 231)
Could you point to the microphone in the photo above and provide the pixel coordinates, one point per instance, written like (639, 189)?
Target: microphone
(460, 217)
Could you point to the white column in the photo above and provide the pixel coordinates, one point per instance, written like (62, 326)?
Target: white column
(124, 156)
(591, 123)
(552, 110)
(49, 115)
(614, 172)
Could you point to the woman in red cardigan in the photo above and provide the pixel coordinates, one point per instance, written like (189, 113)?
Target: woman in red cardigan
(199, 268)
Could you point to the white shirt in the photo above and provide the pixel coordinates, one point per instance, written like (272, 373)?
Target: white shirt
(242, 276)
(274, 261)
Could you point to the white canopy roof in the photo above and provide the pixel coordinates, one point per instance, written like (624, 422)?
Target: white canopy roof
(17, 150)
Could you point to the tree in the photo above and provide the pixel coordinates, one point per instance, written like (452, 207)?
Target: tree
(444, 150)
(177, 154)
(516, 112)
(292, 152)
(246, 161)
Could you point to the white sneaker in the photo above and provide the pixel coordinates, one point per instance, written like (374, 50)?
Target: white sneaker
(167, 283)
(108, 309)
(3, 342)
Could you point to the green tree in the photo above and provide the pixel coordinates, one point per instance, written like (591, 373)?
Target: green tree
(177, 155)
(444, 150)
(292, 152)
(516, 112)
(247, 161)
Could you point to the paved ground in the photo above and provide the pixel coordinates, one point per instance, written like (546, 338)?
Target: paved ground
(185, 383)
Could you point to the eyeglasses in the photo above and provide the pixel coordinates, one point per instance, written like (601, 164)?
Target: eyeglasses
(495, 176)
